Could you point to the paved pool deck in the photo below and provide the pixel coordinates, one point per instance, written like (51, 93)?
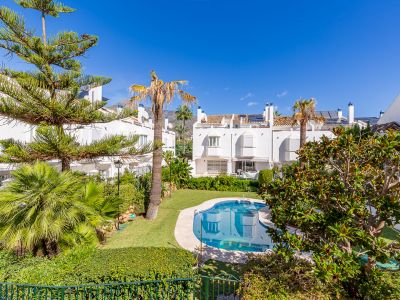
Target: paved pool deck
(186, 238)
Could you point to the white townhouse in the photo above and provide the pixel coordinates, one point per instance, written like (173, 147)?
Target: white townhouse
(141, 125)
(242, 144)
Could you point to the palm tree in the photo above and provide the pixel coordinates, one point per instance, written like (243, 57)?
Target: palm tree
(304, 112)
(183, 113)
(160, 94)
(181, 130)
(43, 209)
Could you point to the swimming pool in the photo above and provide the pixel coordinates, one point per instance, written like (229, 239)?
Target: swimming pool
(233, 225)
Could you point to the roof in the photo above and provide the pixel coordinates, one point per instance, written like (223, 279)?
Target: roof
(283, 121)
(386, 126)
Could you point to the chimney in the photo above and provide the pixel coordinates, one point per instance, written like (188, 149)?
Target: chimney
(351, 113)
(271, 114)
(166, 124)
(141, 113)
(381, 113)
(340, 114)
(266, 113)
(199, 114)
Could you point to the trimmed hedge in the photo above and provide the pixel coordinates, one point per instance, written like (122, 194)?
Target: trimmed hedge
(222, 183)
(91, 265)
(265, 177)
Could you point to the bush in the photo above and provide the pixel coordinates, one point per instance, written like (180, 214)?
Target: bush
(222, 183)
(265, 177)
(271, 276)
(89, 265)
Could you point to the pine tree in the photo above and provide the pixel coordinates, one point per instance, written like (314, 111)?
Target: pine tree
(48, 97)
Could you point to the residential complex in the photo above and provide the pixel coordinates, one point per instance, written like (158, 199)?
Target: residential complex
(245, 144)
(141, 125)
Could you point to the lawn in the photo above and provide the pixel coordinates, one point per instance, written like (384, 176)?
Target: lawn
(160, 232)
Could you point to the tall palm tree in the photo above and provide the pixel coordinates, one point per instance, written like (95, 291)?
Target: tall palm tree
(304, 112)
(183, 113)
(160, 94)
(43, 209)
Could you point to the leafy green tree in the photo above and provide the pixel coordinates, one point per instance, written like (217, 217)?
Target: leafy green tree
(45, 210)
(339, 201)
(48, 96)
(160, 93)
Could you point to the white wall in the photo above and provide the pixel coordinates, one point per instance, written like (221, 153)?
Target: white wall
(289, 141)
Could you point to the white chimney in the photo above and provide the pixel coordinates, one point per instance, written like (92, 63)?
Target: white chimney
(141, 113)
(199, 114)
(271, 114)
(166, 124)
(351, 113)
(340, 114)
(381, 113)
(266, 113)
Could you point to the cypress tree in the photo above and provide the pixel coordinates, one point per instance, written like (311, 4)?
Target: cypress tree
(49, 96)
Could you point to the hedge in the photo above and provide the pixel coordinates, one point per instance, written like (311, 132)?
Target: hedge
(265, 177)
(222, 183)
(91, 265)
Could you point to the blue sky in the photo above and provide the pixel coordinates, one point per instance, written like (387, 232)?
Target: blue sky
(238, 55)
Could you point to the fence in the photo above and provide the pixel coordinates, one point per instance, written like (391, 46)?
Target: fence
(197, 288)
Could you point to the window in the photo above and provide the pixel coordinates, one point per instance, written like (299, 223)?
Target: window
(142, 140)
(213, 141)
(211, 227)
(245, 166)
(247, 141)
(217, 166)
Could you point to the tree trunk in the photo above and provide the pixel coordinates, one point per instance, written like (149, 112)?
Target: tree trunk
(303, 137)
(65, 164)
(155, 193)
(44, 29)
(303, 133)
(44, 248)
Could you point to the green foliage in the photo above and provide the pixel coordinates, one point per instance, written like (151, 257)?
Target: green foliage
(222, 183)
(49, 96)
(42, 209)
(184, 149)
(265, 177)
(89, 265)
(178, 173)
(272, 276)
(329, 197)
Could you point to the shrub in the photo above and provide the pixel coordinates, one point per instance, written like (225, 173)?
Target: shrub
(89, 265)
(222, 183)
(265, 177)
(271, 276)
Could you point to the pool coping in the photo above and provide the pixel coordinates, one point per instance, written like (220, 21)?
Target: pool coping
(186, 238)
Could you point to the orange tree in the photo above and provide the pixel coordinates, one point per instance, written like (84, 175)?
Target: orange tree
(342, 196)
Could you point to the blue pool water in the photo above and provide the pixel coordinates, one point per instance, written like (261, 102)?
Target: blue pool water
(233, 225)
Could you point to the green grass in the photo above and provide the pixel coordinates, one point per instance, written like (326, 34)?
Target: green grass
(160, 232)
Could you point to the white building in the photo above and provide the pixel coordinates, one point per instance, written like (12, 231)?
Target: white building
(240, 143)
(141, 126)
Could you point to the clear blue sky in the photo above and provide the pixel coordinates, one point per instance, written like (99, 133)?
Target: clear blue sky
(238, 55)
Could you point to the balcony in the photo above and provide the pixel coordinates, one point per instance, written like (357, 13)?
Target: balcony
(214, 151)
